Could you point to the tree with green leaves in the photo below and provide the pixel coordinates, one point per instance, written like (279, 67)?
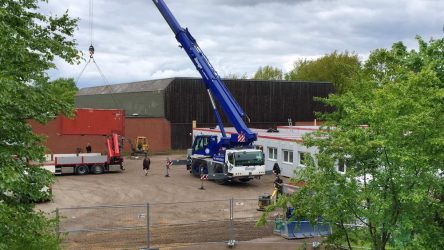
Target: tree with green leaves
(268, 73)
(389, 133)
(29, 42)
(341, 69)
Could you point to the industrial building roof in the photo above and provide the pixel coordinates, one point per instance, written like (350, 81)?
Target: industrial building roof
(143, 86)
(154, 85)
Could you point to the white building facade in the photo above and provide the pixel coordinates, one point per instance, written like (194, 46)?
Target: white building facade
(283, 147)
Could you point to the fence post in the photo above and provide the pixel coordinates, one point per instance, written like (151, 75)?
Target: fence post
(231, 241)
(57, 223)
(148, 233)
(148, 243)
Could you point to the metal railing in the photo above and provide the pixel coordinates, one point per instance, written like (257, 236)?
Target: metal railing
(149, 225)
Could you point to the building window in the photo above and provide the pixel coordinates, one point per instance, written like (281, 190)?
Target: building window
(341, 165)
(272, 153)
(301, 158)
(288, 156)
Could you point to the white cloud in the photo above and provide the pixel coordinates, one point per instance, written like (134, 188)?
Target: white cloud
(172, 73)
(134, 43)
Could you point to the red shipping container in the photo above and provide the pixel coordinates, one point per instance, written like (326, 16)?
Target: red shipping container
(94, 122)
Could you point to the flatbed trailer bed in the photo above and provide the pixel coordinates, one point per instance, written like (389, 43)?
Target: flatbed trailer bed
(83, 163)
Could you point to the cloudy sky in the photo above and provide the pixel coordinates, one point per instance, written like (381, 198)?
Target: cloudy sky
(134, 43)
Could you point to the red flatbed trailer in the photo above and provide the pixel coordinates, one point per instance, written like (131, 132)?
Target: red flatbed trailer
(84, 163)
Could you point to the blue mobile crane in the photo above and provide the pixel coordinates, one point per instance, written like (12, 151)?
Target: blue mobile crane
(221, 158)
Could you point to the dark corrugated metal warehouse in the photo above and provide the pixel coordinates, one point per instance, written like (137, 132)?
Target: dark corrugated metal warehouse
(181, 100)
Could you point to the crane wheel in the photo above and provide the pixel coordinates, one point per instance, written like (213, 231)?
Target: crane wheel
(203, 168)
(195, 168)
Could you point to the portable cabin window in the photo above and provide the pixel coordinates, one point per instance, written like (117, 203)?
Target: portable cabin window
(272, 153)
(288, 156)
(301, 158)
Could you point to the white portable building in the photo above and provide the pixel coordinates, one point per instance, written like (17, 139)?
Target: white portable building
(283, 147)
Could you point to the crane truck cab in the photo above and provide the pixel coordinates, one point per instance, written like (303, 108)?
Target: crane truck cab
(207, 157)
(244, 164)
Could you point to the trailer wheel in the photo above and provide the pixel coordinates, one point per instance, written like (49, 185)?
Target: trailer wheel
(98, 169)
(82, 169)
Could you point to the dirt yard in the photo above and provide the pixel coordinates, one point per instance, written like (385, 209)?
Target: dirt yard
(133, 187)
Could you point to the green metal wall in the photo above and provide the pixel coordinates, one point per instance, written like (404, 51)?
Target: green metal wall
(145, 104)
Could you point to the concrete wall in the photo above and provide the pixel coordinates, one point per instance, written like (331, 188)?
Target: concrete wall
(157, 130)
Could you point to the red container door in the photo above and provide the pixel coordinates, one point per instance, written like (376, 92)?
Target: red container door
(94, 122)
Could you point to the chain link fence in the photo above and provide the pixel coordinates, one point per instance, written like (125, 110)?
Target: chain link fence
(148, 225)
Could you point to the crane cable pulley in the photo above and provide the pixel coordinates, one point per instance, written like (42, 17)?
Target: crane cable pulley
(91, 51)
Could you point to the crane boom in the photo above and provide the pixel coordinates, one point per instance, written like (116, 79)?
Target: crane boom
(227, 159)
(213, 82)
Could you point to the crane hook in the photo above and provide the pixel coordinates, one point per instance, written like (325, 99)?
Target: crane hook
(91, 51)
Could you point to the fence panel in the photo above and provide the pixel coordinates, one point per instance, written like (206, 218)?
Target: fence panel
(126, 226)
(118, 239)
(189, 212)
(107, 227)
(245, 216)
(190, 222)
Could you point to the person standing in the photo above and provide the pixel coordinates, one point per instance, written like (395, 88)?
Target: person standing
(278, 186)
(276, 169)
(168, 165)
(146, 164)
(88, 148)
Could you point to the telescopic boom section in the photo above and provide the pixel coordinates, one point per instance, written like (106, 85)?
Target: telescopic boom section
(112, 144)
(209, 75)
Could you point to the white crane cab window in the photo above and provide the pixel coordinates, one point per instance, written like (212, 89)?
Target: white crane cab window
(231, 158)
(246, 158)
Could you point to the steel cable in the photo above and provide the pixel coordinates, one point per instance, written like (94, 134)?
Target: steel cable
(91, 57)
